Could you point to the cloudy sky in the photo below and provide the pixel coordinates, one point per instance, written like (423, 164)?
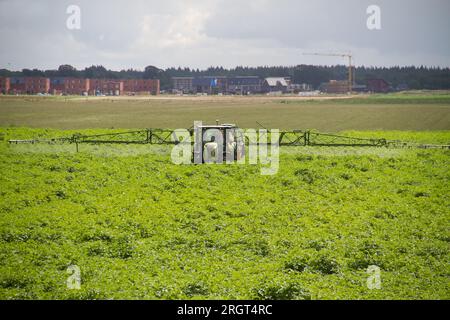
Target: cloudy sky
(170, 33)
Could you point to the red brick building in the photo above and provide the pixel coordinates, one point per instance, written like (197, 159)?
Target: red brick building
(57, 86)
(141, 86)
(106, 87)
(76, 86)
(336, 86)
(378, 85)
(17, 85)
(73, 86)
(34, 85)
(4, 85)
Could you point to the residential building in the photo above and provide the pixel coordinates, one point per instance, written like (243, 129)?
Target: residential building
(360, 88)
(107, 87)
(244, 85)
(141, 86)
(378, 85)
(335, 86)
(276, 84)
(299, 87)
(4, 85)
(17, 85)
(76, 86)
(209, 84)
(57, 86)
(35, 85)
(71, 86)
(183, 84)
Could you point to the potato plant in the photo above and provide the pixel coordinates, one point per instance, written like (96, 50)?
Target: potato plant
(140, 227)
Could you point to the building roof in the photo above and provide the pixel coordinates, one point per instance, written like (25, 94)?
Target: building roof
(275, 81)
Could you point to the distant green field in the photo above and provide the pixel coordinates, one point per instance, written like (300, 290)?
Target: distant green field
(426, 99)
(139, 226)
(378, 112)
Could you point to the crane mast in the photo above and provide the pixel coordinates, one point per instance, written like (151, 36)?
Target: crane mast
(349, 56)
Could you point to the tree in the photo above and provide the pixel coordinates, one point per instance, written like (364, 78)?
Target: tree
(415, 77)
(100, 72)
(32, 73)
(66, 70)
(152, 72)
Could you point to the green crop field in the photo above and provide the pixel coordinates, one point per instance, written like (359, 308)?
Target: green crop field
(139, 226)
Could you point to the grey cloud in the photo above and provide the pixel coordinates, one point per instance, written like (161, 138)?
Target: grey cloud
(123, 34)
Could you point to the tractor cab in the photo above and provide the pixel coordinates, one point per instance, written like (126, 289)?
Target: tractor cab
(218, 143)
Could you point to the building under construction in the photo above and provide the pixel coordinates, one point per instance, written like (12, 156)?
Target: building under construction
(335, 87)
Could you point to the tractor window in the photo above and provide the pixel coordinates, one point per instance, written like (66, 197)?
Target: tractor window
(208, 134)
(212, 132)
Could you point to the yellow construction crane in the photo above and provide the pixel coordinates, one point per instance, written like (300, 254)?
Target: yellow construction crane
(343, 55)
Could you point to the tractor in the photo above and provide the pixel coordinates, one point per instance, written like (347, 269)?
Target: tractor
(218, 143)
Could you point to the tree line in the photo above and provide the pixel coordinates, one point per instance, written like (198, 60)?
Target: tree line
(412, 77)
